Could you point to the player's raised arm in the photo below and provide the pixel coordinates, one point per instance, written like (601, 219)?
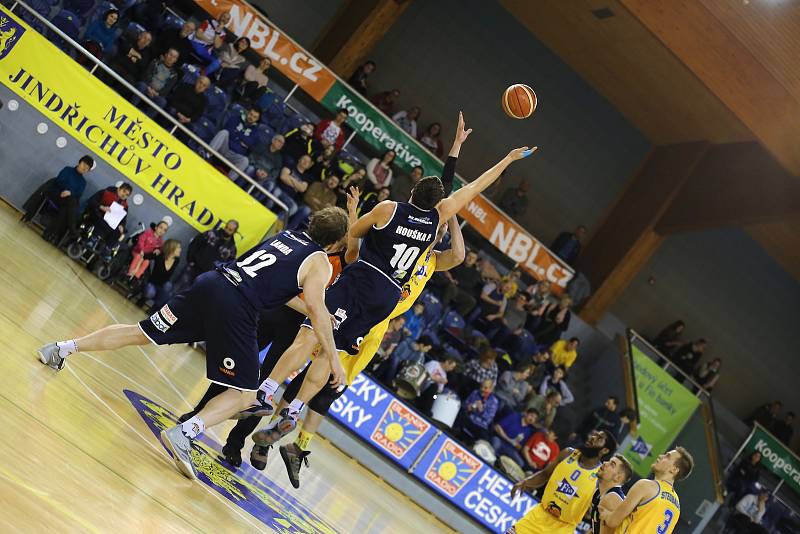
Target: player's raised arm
(455, 255)
(314, 280)
(379, 216)
(351, 255)
(458, 200)
(640, 492)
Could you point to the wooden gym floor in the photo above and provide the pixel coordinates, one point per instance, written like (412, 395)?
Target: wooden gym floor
(79, 448)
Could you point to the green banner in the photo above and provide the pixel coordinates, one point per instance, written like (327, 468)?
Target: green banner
(380, 132)
(664, 406)
(775, 456)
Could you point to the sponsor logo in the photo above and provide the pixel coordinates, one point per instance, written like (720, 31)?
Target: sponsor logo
(566, 489)
(419, 220)
(399, 274)
(338, 318)
(167, 314)
(158, 323)
(641, 447)
(295, 238)
(229, 363)
(399, 429)
(553, 509)
(10, 34)
(357, 344)
(452, 468)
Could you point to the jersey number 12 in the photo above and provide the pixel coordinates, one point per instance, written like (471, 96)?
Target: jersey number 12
(251, 268)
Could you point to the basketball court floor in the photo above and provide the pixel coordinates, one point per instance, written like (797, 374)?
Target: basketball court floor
(80, 451)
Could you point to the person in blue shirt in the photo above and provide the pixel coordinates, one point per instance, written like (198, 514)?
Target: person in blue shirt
(239, 135)
(567, 245)
(511, 433)
(64, 191)
(101, 34)
(415, 320)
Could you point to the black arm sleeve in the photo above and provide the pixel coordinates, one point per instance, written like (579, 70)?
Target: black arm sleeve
(448, 172)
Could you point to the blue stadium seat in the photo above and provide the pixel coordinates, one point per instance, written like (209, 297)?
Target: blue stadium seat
(132, 31)
(236, 110)
(98, 11)
(294, 121)
(265, 134)
(190, 73)
(453, 325)
(81, 8)
(69, 23)
(274, 115)
(433, 309)
(172, 20)
(42, 7)
(266, 100)
(217, 104)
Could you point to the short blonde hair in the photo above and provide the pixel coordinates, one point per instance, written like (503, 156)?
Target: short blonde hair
(684, 463)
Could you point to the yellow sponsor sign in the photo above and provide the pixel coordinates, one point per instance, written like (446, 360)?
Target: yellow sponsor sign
(123, 136)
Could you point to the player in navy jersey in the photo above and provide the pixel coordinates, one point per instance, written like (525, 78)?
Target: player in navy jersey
(222, 309)
(612, 475)
(393, 235)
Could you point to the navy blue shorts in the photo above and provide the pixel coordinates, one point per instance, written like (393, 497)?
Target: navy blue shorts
(214, 311)
(360, 298)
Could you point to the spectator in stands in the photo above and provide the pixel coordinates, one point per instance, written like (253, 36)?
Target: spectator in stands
(493, 301)
(557, 382)
(512, 431)
(325, 162)
(687, 356)
(407, 120)
(149, 13)
(385, 101)
(207, 248)
(565, 352)
(749, 513)
(355, 179)
(538, 295)
(743, 476)
(567, 245)
(415, 320)
(101, 34)
(238, 136)
(379, 171)
(99, 204)
(148, 246)
(321, 195)
(159, 79)
(512, 278)
(555, 322)
(478, 411)
(292, 184)
(403, 184)
(514, 201)
(253, 83)
(392, 337)
(503, 330)
(372, 199)
(188, 102)
(267, 160)
(623, 428)
(133, 57)
(541, 449)
(784, 430)
(543, 367)
(437, 371)
(409, 349)
(299, 142)
(547, 406)
(464, 282)
(331, 131)
(707, 374)
(208, 37)
(602, 417)
(231, 61)
(430, 139)
(178, 39)
(766, 415)
(513, 387)
(669, 339)
(484, 367)
(65, 192)
(359, 78)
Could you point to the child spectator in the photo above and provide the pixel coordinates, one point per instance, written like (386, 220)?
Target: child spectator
(541, 449)
(147, 247)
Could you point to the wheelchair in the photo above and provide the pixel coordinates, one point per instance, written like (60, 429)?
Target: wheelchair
(102, 257)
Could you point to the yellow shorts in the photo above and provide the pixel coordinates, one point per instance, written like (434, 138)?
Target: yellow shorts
(538, 521)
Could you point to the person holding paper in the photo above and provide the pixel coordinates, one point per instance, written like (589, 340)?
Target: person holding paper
(107, 210)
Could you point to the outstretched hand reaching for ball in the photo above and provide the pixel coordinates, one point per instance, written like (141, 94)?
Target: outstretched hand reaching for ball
(522, 152)
(461, 133)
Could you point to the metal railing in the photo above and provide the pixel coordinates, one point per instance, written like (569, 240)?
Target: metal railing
(283, 216)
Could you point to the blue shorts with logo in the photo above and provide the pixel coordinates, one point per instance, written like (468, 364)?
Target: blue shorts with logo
(214, 311)
(359, 299)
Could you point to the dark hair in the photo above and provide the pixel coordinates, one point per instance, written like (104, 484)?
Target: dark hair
(240, 39)
(431, 125)
(684, 463)
(234, 221)
(369, 62)
(343, 110)
(628, 413)
(328, 225)
(533, 410)
(611, 441)
(255, 109)
(553, 394)
(88, 160)
(614, 398)
(111, 12)
(790, 414)
(425, 339)
(427, 193)
(573, 339)
(126, 186)
(418, 167)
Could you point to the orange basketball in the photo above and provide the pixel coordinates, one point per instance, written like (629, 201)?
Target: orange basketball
(519, 101)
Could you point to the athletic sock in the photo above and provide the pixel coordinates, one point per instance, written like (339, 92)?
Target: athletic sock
(269, 387)
(193, 427)
(295, 407)
(65, 348)
(303, 439)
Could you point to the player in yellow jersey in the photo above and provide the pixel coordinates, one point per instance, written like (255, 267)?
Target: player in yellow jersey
(570, 484)
(652, 506)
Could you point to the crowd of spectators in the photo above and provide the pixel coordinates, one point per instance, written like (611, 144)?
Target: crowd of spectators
(686, 357)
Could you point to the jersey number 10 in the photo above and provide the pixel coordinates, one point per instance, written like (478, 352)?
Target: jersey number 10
(404, 256)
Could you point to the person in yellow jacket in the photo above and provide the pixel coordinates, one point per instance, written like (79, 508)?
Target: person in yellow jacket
(652, 506)
(565, 352)
(569, 483)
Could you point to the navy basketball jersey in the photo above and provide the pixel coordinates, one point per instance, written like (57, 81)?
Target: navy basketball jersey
(595, 513)
(394, 247)
(267, 275)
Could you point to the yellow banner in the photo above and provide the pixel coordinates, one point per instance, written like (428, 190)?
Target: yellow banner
(123, 136)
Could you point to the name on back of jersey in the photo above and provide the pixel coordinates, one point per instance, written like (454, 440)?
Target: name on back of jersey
(282, 247)
(414, 234)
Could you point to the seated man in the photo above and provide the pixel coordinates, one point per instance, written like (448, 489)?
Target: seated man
(511, 432)
(299, 142)
(540, 450)
(205, 250)
(238, 136)
(407, 350)
(477, 412)
(133, 57)
(319, 195)
(188, 102)
(99, 204)
(437, 371)
(292, 183)
(159, 79)
(266, 160)
(65, 192)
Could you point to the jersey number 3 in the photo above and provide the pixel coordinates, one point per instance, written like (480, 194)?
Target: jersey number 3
(663, 528)
(251, 268)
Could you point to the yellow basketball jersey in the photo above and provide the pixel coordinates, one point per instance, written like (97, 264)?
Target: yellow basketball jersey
(566, 497)
(659, 515)
(423, 270)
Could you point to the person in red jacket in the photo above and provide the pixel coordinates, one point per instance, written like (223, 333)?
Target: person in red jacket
(100, 204)
(541, 449)
(147, 247)
(331, 131)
